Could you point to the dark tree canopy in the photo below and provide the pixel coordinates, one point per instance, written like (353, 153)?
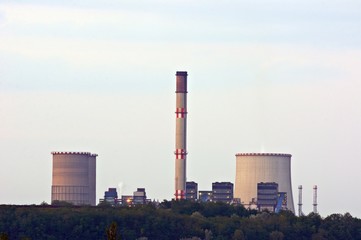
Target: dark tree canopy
(169, 220)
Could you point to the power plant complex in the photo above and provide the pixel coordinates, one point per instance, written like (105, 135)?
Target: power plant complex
(262, 181)
(74, 178)
(257, 174)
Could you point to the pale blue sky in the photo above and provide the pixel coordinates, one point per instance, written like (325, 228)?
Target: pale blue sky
(99, 76)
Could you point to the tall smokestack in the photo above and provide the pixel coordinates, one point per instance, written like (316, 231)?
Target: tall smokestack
(181, 135)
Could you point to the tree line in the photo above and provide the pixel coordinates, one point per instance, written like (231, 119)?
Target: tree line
(183, 220)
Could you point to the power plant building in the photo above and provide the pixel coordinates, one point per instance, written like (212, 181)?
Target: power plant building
(267, 196)
(254, 168)
(139, 196)
(222, 192)
(74, 178)
(110, 197)
(192, 191)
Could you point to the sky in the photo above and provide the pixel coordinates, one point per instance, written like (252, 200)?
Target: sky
(270, 76)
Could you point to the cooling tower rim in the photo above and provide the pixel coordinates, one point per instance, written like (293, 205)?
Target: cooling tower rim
(75, 153)
(264, 154)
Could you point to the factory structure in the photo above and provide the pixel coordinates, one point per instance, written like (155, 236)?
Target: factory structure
(263, 176)
(262, 181)
(221, 192)
(74, 178)
(111, 198)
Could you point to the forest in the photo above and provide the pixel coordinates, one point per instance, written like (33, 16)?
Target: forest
(183, 220)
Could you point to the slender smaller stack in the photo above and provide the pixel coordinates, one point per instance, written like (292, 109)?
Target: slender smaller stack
(300, 213)
(315, 199)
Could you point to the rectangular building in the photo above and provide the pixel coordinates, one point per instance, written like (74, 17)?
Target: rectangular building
(139, 196)
(222, 192)
(267, 196)
(111, 197)
(192, 191)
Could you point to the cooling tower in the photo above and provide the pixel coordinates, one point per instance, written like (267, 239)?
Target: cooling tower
(253, 168)
(74, 178)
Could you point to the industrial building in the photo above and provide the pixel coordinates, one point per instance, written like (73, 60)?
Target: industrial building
(139, 196)
(222, 192)
(110, 197)
(192, 191)
(205, 196)
(254, 168)
(268, 197)
(74, 178)
(181, 135)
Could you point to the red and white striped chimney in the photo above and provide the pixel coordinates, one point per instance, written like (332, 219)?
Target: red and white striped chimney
(181, 135)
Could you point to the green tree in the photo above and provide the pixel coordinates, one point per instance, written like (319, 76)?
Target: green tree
(321, 235)
(43, 203)
(341, 227)
(62, 203)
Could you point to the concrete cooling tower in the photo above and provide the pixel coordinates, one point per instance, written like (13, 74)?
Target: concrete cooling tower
(74, 178)
(254, 168)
